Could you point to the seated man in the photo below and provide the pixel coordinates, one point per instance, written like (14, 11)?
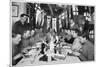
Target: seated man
(73, 25)
(16, 38)
(26, 40)
(85, 50)
(69, 39)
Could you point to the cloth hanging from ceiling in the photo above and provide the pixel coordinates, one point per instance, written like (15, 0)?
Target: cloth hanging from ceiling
(37, 15)
(48, 22)
(54, 24)
(40, 17)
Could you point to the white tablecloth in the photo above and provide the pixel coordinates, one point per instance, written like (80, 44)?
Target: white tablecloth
(28, 61)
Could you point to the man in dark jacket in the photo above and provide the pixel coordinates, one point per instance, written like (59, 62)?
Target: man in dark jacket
(86, 52)
(21, 25)
(16, 38)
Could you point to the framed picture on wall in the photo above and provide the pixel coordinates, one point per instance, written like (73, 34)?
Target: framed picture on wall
(15, 10)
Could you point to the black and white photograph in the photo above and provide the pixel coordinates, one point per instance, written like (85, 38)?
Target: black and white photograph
(51, 33)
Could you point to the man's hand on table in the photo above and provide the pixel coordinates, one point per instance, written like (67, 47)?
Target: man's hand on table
(76, 53)
(17, 56)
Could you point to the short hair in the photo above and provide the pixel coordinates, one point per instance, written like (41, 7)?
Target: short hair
(14, 35)
(22, 15)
